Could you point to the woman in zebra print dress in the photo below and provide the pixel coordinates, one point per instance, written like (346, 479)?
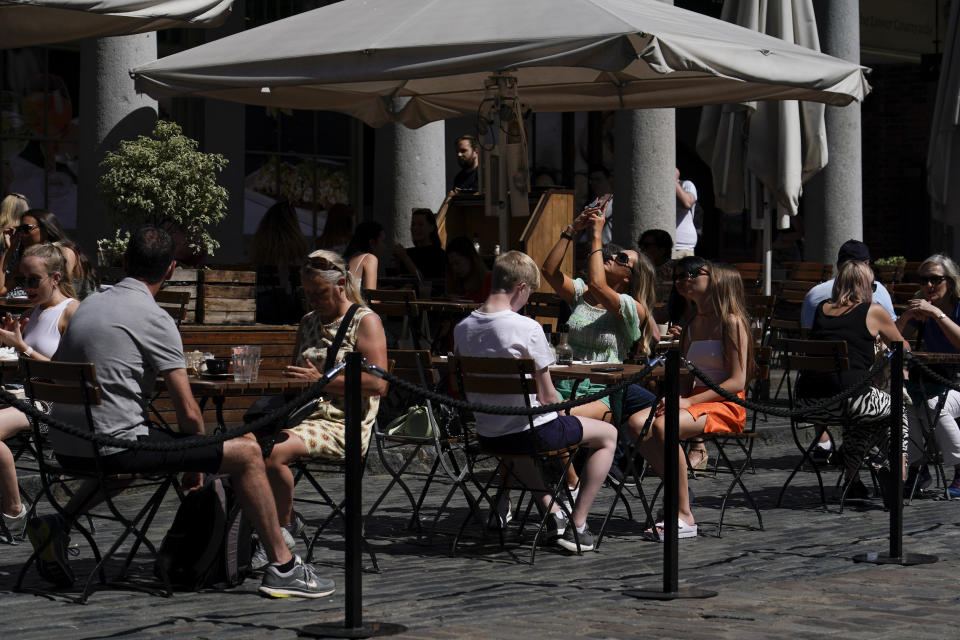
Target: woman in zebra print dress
(851, 315)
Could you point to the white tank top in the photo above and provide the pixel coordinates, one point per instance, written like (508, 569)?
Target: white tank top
(708, 356)
(43, 332)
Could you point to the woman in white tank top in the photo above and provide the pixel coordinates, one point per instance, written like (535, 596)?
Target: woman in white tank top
(35, 336)
(718, 340)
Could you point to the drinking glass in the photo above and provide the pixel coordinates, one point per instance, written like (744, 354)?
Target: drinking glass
(246, 363)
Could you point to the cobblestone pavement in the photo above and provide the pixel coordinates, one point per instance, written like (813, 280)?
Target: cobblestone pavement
(794, 578)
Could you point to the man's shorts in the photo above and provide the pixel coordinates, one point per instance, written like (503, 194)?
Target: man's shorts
(561, 433)
(636, 398)
(206, 458)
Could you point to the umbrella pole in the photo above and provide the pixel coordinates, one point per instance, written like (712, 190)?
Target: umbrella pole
(767, 239)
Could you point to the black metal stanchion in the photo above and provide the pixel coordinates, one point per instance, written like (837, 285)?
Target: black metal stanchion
(894, 488)
(671, 447)
(353, 625)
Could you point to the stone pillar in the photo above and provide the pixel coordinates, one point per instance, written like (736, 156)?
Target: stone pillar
(645, 172)
(110, 111)
(409, 172)
(225, 133)
(833, 199)
(644, 175)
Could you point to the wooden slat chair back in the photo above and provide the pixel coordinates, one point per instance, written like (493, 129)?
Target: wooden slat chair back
(478, 375)
(545, 308)
(911, 271)
(175, 303)
(904, 292)
(76, 384)
(819, 357)
(815, 271)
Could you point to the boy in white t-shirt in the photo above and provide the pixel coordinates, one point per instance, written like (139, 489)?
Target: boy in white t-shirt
(497, 330)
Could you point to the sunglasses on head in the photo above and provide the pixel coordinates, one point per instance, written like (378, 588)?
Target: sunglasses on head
(321, 263)
(934, 280)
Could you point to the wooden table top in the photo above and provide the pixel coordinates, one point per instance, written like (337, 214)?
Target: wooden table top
(265, 384)
(581, 371)
(938, 358)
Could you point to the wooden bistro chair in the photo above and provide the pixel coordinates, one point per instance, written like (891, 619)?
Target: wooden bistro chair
(445, 448)
(175, 303)
(76, 383)
(478, 375)
(743, 441)
(823, 357)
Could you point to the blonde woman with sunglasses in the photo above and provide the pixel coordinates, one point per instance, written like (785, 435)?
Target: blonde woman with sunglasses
(934, 317)
(330, 291)
(36, 336)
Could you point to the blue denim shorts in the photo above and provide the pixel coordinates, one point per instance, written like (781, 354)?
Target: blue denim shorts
(636, 398)
(561, 433)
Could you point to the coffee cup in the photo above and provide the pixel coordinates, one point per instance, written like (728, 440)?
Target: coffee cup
(218, 366)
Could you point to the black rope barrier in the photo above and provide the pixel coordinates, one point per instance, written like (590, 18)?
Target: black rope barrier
(929, 371)
(808, 409)
(181, 444)
(477, 407)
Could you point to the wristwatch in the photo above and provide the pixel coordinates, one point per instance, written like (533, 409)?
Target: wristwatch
(566, 233)
(941, 316)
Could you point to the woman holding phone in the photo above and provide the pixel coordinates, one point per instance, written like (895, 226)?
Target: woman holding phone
(611, 311)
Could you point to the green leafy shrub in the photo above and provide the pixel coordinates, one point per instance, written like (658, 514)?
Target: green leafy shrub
(892, 261)
(164, 180)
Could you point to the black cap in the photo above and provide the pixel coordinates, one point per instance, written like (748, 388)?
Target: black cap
(853, 250)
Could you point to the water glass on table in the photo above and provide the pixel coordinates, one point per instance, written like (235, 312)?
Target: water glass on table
(246, 363)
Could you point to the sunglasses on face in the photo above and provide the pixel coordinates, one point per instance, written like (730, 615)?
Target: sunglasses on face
(622, 258)
(26, 228)
(932, 280)
(690, 275)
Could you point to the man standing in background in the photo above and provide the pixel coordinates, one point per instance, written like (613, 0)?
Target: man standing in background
(686, 236)
(468, 157)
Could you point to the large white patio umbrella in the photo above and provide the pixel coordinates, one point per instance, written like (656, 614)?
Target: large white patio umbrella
(25, 23)
(416, 61)
(780, 144)
(942, 169)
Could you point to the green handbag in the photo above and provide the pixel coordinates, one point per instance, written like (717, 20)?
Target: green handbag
(415, 423)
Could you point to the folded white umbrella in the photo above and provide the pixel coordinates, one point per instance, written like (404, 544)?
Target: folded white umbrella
(942, 170)
(25, 23)
(783, 144)
(356, 56)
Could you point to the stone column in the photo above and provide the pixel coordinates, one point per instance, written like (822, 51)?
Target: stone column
(225, 133)
(644, 175)
(833, 199)
(409, 172)
(110, 111)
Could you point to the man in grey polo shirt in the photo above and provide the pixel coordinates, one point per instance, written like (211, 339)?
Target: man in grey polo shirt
(130, 340)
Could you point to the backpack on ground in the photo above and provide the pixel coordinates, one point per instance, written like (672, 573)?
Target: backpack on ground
(209, 543)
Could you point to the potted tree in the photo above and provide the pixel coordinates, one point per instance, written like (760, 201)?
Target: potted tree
(165, 180)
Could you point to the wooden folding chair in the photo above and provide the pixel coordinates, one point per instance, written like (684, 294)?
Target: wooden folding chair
(445, 447)
(76, 383)
(478, 375)
(175, 303)
(401, 305)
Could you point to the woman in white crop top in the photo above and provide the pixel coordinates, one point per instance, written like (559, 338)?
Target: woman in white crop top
(717, 339)
(37, 335)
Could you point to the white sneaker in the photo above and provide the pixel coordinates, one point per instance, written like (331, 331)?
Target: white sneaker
(16, 524)
(568, 504)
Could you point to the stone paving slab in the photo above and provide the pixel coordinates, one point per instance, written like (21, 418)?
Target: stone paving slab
(793, 579)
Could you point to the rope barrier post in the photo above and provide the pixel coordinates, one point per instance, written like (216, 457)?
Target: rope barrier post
(671, 470)
(894, 488)
(353, 625)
